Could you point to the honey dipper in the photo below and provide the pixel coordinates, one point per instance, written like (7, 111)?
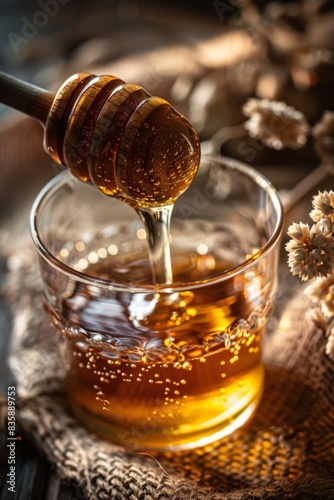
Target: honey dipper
(127, 143)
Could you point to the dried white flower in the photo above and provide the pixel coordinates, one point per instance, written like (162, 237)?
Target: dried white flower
(330, 341)
(311, 251)
(299, 232)
(315, 316)
(327, 304)
(323, 134)
(323, 204)
(275, 124)
(322, 291)
(319, 288)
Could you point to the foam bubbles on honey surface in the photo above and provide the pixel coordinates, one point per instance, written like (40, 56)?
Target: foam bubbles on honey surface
(197, 247)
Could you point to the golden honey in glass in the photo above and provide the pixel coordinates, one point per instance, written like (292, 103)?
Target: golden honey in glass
(162, 366)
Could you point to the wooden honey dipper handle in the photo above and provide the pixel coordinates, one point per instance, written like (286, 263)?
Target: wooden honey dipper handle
(25, 97)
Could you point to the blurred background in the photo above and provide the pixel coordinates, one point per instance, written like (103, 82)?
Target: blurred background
(205, 57)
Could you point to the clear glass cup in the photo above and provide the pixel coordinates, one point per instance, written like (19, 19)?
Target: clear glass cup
(161, 367)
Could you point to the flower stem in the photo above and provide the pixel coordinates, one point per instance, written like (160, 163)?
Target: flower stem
(294, 195)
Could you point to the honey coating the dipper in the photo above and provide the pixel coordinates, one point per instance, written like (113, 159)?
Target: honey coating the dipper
(130, 145)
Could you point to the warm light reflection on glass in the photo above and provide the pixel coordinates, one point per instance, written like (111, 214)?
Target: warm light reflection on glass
(112, 249)
(141, 234)
(80, 246)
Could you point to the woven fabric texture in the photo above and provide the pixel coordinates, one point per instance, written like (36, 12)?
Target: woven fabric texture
(286, 451)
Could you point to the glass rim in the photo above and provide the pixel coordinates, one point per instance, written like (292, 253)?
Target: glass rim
(62, 179)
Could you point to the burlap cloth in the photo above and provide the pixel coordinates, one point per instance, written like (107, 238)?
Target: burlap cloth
(286, 451)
